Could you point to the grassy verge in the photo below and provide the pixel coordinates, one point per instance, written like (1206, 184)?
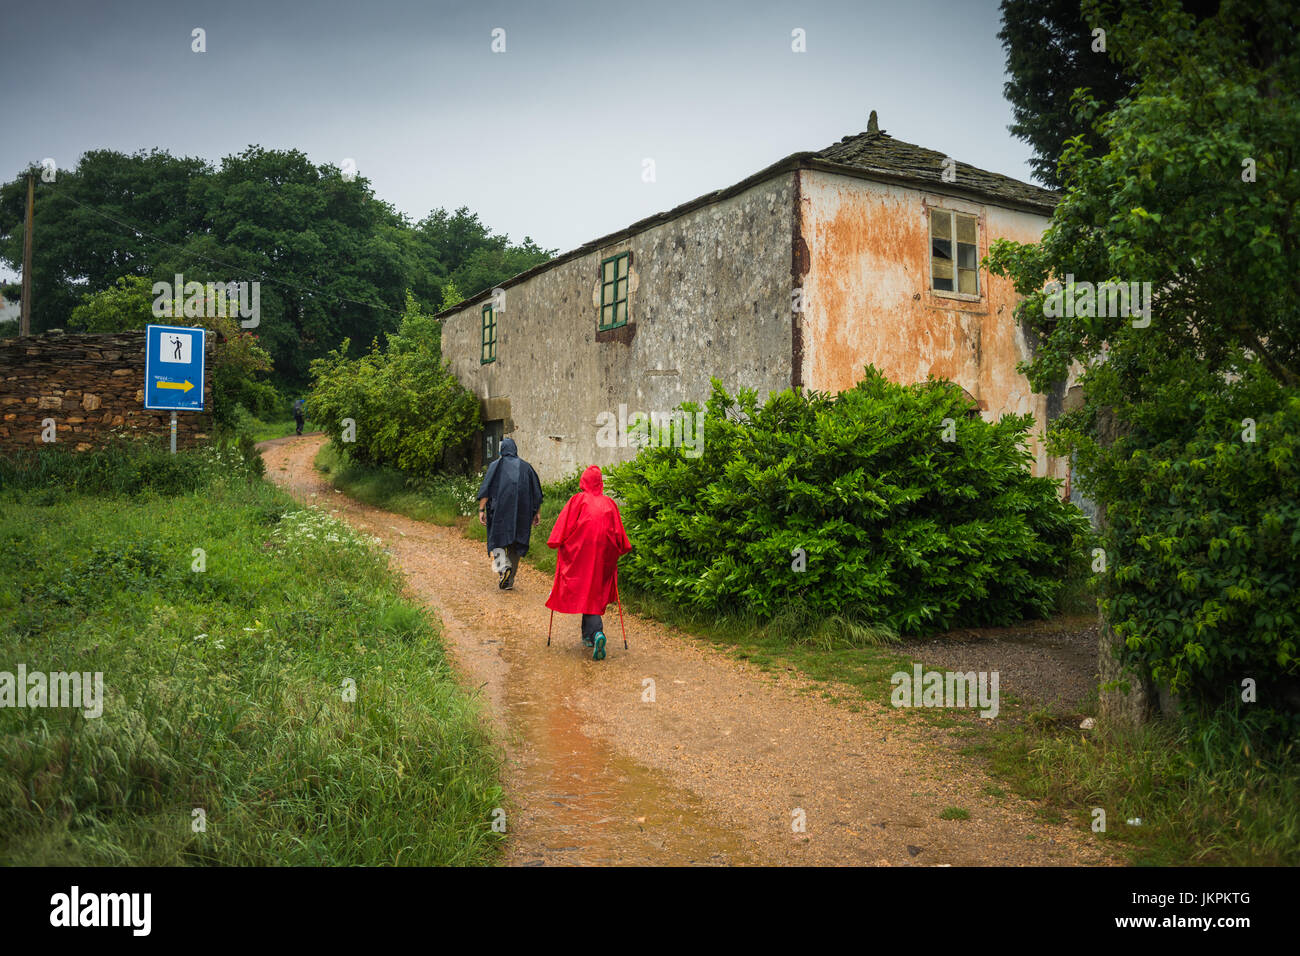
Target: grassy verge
(1209, 795)
(282, 705)
(265, 430)
(1174, 792)
(444, 501)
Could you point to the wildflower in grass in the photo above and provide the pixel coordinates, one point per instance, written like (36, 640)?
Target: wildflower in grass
(298, 530)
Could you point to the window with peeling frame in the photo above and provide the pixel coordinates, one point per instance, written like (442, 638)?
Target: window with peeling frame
(613, 291)
(489, 350)
(954, 252)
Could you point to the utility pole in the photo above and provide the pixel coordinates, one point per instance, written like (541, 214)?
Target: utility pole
(25, 316)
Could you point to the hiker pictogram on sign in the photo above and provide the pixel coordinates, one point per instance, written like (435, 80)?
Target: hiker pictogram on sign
(177, 348)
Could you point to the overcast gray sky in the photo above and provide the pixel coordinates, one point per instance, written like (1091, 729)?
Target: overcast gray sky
(546, 139)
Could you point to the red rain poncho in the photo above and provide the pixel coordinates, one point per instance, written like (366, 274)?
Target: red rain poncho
(590, 537)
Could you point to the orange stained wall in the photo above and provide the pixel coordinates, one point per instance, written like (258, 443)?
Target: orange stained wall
(867, 298)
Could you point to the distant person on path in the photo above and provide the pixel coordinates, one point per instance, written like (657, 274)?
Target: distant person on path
(299, 414)
(509, 504)
(590, 537)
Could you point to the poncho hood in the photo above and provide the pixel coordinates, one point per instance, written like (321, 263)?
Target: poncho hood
(592, 481)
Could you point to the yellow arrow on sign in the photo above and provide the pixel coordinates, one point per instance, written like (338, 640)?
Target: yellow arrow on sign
(183, 387)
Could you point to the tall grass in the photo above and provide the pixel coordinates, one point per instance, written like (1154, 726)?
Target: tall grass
(797, 623)
(438, 499)
(1221, 791)
(228, 736)
(126, 467)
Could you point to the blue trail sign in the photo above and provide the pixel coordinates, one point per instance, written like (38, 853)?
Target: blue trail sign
(173, 368)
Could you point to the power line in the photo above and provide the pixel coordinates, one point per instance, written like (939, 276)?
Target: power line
(225, 265)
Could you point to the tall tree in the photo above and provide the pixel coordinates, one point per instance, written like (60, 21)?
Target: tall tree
(488, 265)
(1052, 50)
(310, 238)
(1192, 396)
(458, 248)
(86, 224)
(333, 262)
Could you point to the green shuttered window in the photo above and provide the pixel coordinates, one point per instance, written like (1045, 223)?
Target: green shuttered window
(489, 352)
(613, 291)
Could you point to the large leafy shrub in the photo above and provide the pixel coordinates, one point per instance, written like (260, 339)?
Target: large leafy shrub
(1204, 543)
(409, 410)
(899, 526)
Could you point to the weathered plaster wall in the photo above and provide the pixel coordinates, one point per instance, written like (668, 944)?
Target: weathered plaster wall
(710, 298)
(868, 299)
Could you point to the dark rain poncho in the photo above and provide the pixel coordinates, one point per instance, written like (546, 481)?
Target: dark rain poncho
(514, 495)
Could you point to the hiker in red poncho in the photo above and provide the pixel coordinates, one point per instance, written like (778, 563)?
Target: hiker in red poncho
(590, 537)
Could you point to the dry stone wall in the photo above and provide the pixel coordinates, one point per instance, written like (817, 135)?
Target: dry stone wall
(92, 386)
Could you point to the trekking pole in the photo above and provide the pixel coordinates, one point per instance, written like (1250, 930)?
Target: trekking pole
(620, 608)
(549, 626)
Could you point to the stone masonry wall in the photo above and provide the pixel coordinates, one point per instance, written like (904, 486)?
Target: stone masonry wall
(709, 296)
(93, 388)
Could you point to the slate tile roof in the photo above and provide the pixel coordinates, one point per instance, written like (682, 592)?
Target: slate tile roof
(877, 151)
(874, 151)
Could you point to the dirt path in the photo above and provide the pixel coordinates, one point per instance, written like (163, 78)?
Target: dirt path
(716, 769)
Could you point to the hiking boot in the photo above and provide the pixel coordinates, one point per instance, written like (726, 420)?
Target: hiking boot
(599, 653)
(508, 578)
(589, 641)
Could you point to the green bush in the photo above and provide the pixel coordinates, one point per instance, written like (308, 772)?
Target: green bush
(1203, 546)
(254, 398)
(900, 527)
(409, 410)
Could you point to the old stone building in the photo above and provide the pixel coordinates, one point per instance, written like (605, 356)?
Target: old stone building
(867, 251)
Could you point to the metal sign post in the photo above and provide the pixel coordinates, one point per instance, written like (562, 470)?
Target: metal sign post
(173, 370)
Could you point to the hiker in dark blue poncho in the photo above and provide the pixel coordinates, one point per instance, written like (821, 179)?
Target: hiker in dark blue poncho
(509, 502)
